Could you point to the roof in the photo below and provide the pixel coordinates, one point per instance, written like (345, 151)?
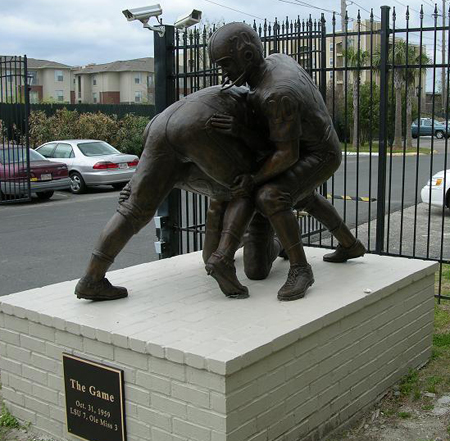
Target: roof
(33, 63)
(137, 65)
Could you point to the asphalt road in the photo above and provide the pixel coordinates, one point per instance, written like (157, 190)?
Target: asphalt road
(42, 243)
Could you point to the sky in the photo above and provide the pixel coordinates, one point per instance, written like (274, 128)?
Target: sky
(79, 32)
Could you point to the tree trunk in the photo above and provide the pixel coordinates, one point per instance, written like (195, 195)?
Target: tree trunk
(355, 110)
(398, 111)
(409, 93)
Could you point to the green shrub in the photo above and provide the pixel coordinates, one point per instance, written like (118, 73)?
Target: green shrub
(125, 134)
(130, 136)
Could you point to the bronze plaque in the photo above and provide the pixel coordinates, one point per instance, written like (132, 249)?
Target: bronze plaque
(95, 404)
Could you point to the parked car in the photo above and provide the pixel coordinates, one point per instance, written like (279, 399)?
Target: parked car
(440, 190)
(428, 128)
(91, 162)
(45, 176)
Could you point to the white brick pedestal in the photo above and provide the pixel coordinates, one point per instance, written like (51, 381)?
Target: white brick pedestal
(199, 366)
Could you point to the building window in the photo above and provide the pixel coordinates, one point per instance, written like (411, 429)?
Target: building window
(331, 61)
(59, 95)
(331, 46)
(137, 78)
(94, 81)
(331, 75)
(95, 98)
(32, 77)
(138, 97)
(150, 80)
(34, 97)
(59, 76)
(9, 75)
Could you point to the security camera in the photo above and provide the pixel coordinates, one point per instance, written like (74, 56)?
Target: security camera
(143, 14)
(187, 20)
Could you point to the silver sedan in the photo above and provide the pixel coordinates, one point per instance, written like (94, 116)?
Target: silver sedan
(91, 162)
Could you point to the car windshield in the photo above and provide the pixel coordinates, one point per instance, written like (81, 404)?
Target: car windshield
(97, 149)
(14, 155)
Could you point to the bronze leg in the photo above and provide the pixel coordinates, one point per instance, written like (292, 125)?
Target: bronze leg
(220, 265)
(213, 227)
(261, 248)
(149, 187)
(275, 202)
(322, 210)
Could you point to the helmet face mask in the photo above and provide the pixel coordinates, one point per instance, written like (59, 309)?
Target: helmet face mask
(232, 73)
(237, 49)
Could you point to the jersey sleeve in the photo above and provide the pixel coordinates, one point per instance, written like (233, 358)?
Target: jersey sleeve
(282, 111)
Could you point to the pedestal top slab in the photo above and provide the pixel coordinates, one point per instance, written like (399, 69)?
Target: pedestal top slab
(175, 311)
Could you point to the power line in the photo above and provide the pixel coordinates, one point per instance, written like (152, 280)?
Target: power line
(410, 8)
(300, 3)
(235, 10)
(364, 9)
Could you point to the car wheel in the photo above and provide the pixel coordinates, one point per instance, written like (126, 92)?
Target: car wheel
(119, 185)
(439, 134)
(77, 184)
(45, 195)
(414, 136)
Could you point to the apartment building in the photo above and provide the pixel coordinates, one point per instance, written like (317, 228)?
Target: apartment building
(119, 82)
(370, 43)
(48, 80)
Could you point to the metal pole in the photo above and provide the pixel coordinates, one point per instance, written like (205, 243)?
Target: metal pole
(323, 74)
(167, 216)
(343, 13)
(26, 121)
(382, 157)
(443, 82)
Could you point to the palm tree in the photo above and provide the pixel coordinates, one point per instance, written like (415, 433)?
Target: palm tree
(356, 59)
(398, 56)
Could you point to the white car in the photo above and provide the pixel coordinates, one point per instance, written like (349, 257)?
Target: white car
(91, 162)
(439, 193)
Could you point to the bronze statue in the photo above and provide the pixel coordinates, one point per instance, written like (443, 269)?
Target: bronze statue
(266, 149)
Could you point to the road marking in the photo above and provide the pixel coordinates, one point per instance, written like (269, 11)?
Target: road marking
(351, 198)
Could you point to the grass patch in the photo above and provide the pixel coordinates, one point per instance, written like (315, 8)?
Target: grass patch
(404, 415)
(409, 383)
(7, 420)
(441, 340)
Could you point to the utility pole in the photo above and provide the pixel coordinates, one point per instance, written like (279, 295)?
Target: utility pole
(443, 80)
(343, 11)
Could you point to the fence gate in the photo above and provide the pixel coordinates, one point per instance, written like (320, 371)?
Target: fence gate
(14, 141)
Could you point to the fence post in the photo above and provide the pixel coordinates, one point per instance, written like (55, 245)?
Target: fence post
(323, 75)
(167, 216)
(382, 149)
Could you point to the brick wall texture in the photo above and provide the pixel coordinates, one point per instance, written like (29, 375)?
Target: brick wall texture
(301, 392)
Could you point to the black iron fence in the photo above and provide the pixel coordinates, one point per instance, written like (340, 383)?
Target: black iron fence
(14, 142)
(386, 83)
